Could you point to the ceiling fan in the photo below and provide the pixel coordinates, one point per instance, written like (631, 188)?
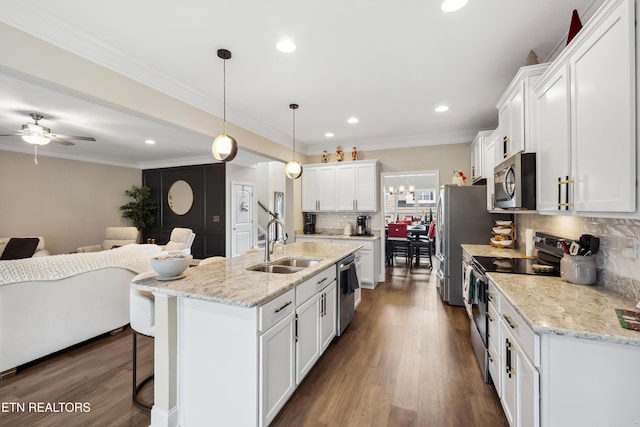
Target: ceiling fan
(34, 133)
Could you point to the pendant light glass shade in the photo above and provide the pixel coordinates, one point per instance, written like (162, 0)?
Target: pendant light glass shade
(293, 168)
(224, 147)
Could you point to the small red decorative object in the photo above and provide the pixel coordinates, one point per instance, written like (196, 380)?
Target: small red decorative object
(575, 27)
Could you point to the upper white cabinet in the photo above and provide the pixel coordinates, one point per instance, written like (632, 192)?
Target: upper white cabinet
(356, 186)
(585, 109)
(319, 188)
(347, 187)
(515, 114)
(489, 163)
(478, 158)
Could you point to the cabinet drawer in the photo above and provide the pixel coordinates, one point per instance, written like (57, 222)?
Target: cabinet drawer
(276, 310)
(494, 295)
(493, 326)
(312, 286)
(528, 341)
(495, 367)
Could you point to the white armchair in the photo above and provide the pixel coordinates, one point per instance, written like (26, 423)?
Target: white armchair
(114, 236)
(181, 239)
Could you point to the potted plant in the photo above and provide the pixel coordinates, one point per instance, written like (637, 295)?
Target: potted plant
(141, 209)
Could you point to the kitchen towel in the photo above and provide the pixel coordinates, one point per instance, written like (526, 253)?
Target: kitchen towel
(528, 239)
(352, 283)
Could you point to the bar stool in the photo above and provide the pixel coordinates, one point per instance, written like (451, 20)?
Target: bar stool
(142, 315)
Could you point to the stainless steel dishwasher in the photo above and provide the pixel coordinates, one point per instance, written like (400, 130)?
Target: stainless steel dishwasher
(345, 292)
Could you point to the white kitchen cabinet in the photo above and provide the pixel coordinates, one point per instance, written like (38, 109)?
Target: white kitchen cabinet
(358, 292)
(328, 315)
(277, 367)
(515, 114)
(489, 163)
(495, 338)
(356, 186)
(319, 188)
(369, 254)
(478, 158)
(514, 369)
(552, 159)
(316, 301)
(308, 336)
(586, 119)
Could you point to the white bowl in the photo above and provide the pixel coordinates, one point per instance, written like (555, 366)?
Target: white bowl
(501, 222)
(501, 242)
(170, 265)
(499, 230)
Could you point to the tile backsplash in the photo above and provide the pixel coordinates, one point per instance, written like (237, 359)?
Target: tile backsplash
(617, 258)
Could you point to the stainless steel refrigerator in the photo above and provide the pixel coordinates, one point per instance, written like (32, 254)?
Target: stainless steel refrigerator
(461, 217)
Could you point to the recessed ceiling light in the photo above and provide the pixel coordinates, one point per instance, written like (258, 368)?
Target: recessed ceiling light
(329, 135)
(442, 108)
(353, 120)
(452, 5)
(149, 141)
(286, 46)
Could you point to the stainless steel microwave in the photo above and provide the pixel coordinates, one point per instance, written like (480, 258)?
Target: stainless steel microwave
(515, 182)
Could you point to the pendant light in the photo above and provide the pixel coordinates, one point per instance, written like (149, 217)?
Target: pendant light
(224, 147)
(293, 169)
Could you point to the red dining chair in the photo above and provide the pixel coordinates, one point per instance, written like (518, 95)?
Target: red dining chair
(398, 242)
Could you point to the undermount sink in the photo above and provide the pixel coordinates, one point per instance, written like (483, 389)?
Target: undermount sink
(274, 268)
(296, 262)
(285, 265)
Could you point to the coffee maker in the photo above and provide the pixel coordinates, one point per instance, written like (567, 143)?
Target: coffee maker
(309, 223)
(362, 226)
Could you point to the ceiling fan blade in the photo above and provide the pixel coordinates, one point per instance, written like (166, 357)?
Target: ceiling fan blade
(13, 134)
(63, 142)
(82, 138)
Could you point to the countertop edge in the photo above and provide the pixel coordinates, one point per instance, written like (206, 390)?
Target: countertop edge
(162, 287)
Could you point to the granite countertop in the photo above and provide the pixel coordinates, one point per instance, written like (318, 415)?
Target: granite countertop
(337, 235)
(488, 250)
(229, 281)
(551, 305)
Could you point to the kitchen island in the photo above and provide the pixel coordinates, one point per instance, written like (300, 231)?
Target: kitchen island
(558, 353)
(229, 348)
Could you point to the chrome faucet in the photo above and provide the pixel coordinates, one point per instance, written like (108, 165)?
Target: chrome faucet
(268, 249)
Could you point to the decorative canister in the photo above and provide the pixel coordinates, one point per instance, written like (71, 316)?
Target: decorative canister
(578, 269)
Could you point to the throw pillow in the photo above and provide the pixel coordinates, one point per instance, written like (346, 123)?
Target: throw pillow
(20, 247)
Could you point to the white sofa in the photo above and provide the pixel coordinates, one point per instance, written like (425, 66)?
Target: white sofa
(40, 250)
(50, 303)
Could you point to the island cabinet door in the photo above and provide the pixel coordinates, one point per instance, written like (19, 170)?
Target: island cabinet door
(308, 336)
(277, 368)
(328, 306)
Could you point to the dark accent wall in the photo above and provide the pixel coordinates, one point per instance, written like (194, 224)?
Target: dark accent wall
(207, 215)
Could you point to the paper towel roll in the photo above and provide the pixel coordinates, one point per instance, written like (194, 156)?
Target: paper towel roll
(528, 239)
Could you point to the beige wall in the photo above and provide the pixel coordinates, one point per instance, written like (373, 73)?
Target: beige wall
(443, 158)
(68, 202)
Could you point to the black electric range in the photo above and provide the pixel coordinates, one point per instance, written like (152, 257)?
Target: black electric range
(516, 266)
(547, 263)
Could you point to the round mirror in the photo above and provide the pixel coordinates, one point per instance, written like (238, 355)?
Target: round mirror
(180, 197)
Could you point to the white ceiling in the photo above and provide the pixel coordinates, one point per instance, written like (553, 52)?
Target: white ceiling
(387, 63)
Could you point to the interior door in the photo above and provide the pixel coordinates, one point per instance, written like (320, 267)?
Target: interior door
(241, 218)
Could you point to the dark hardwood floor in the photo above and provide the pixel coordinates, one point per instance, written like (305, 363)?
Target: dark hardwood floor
(405, 360)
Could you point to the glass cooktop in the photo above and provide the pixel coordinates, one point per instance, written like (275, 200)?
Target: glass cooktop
(516, 266)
